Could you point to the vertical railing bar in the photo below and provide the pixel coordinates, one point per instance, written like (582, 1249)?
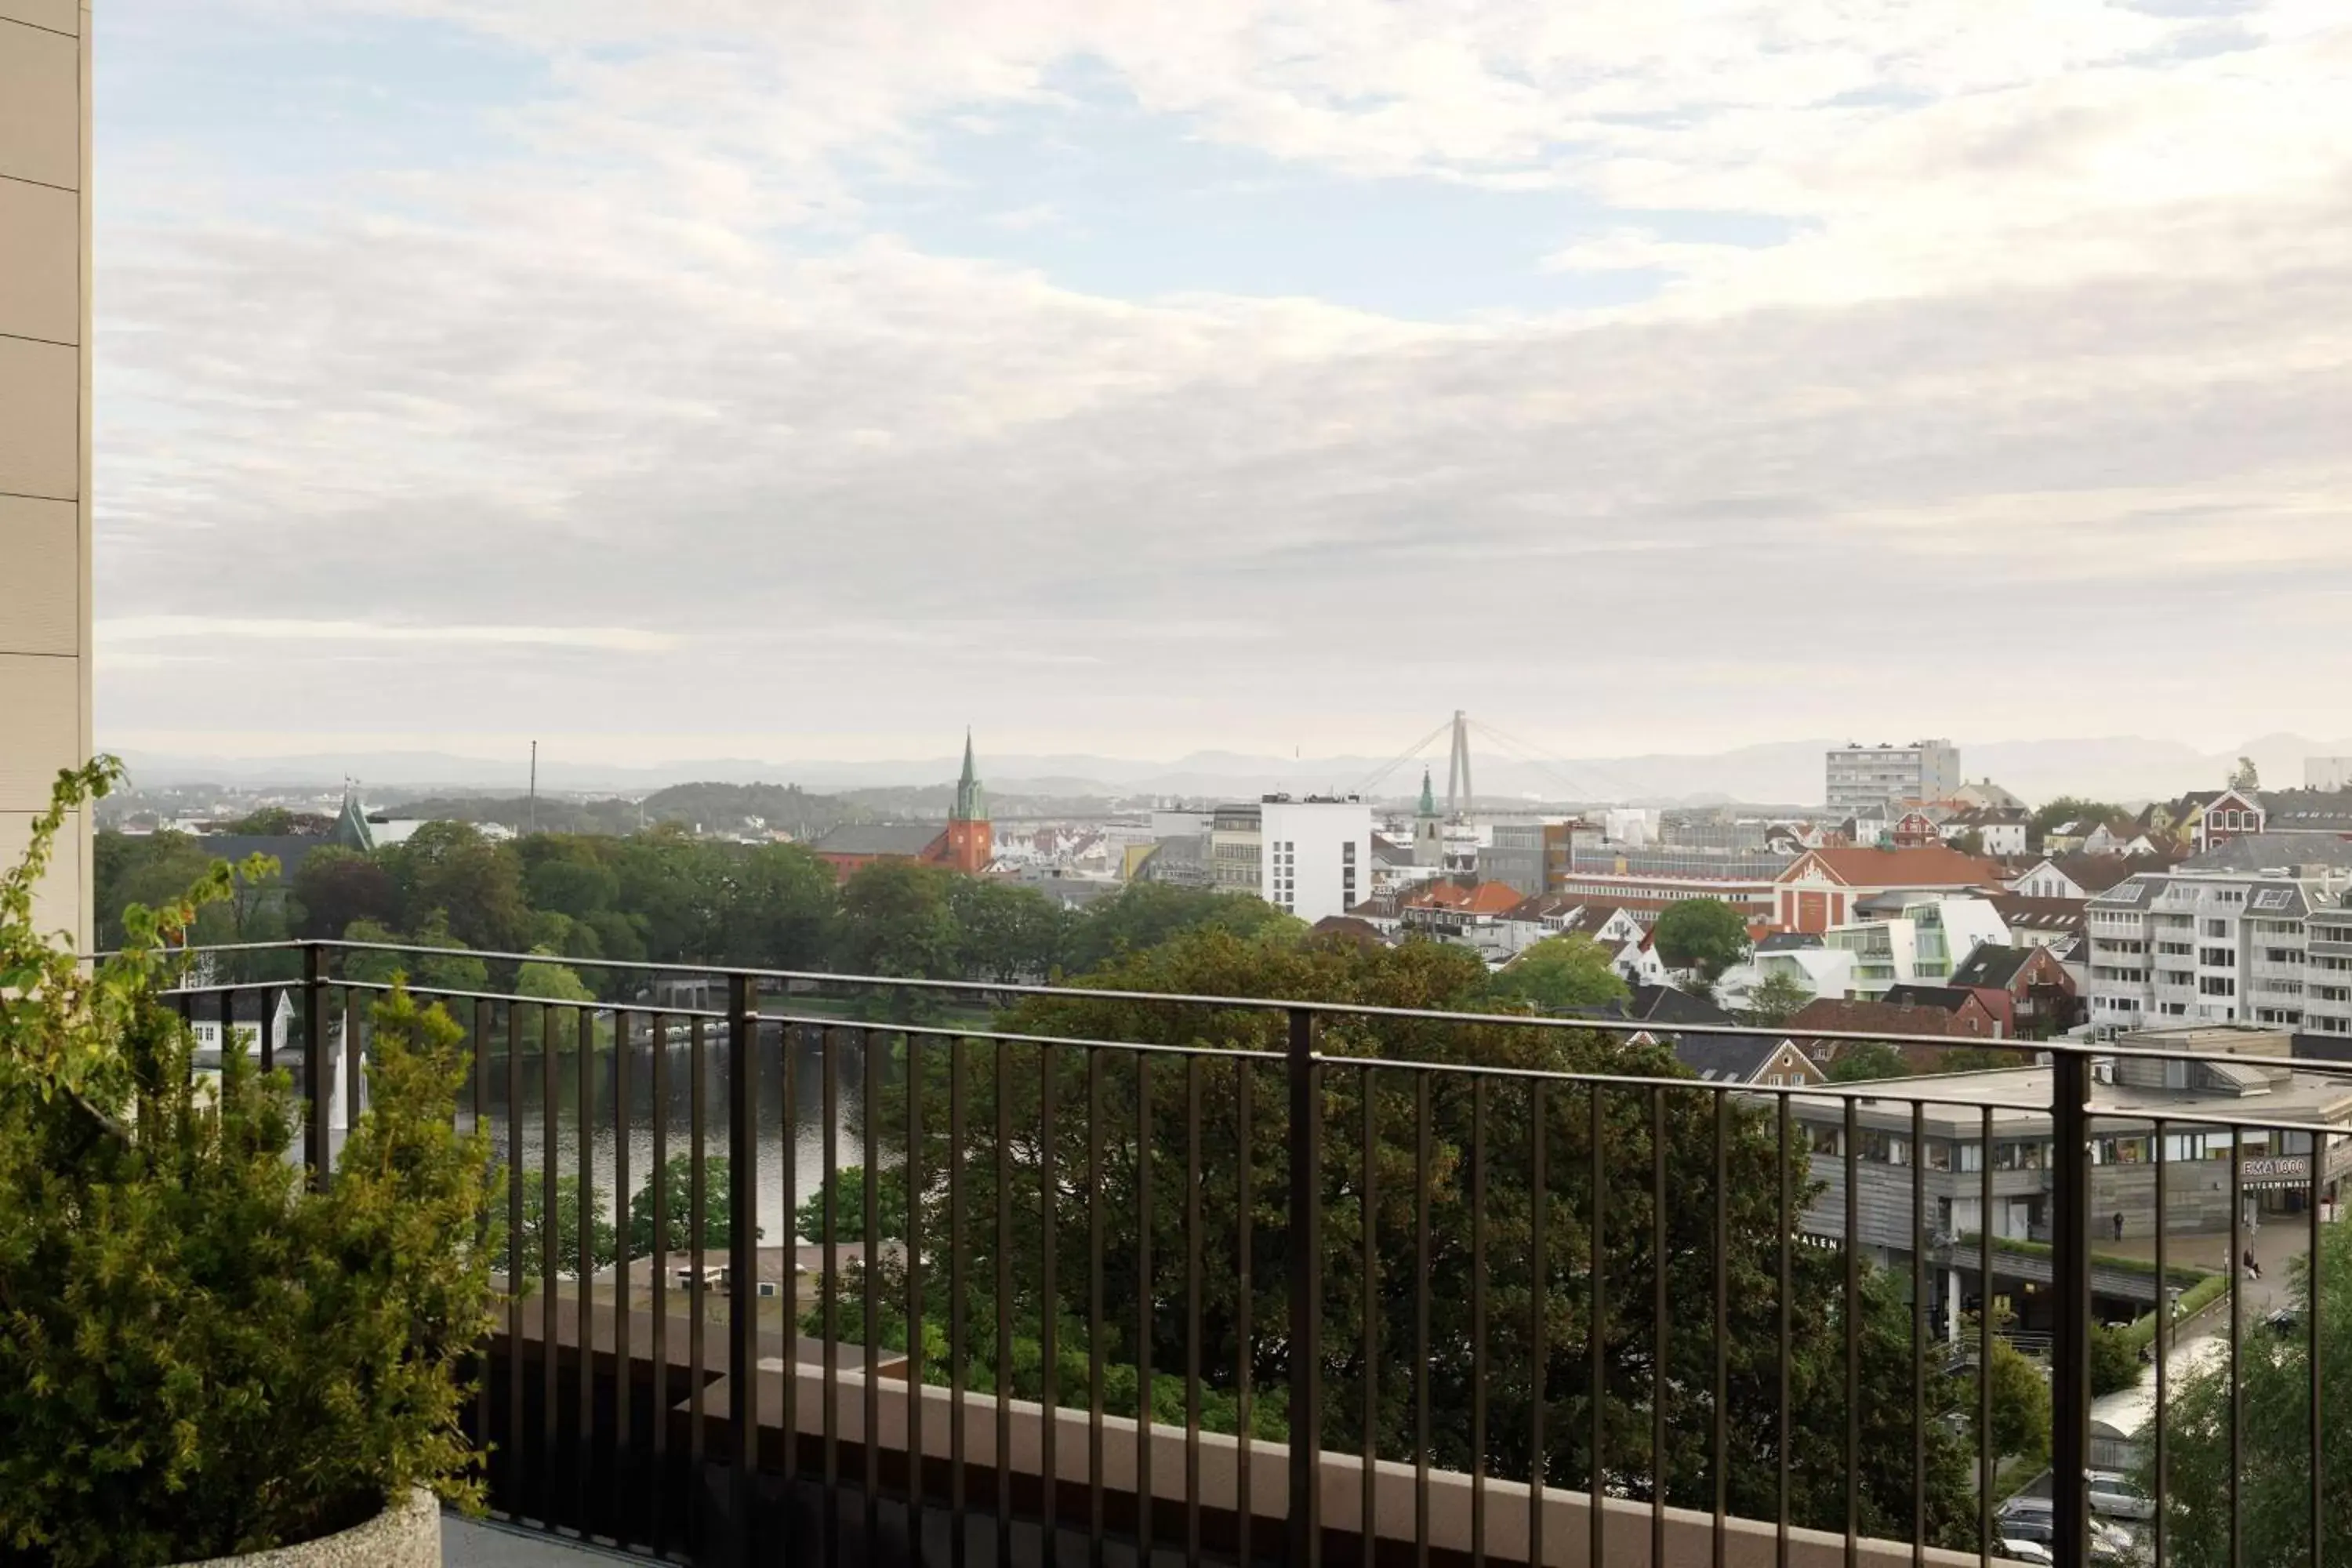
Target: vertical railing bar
(912, 1045)
(268, 1028)
(1368, 1232)
(743, 1260)
(697, 1220)
(958, 1315)
(1984, 1337)
(1539, 1299)
(620, 1445)
(1193, 1261)
(789, 1175)
(1049, 1312)
(584, 1290)
(2237, 1329)
(1787, 1224)
(1658, 1307)
(1143, 1305)
(1244, 1299)
(519, 1470)
(1094, 1497)
(1005, 1285)
(314, 1054)
(1918, 1333)
(1306, 1279)
(1478, 1322)
(550, 1327)
(870, 1294)
(1852, 1442)
(2163, 1343)
(481, 1131)
(1720, 1458)
(2315, 1353)
(1421, 1177)
(2070, 1354)
(1596, 1330)
(829, 1286)
(658, 1413)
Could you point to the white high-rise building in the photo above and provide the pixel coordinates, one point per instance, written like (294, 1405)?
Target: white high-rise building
(1315, 855)
(1860, 777)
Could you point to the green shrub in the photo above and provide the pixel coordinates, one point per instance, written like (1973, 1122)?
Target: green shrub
(2115, 1361)
(198, 1355)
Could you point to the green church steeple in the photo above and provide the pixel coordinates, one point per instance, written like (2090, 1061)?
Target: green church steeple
(971, 800)
(352, 830)
(1428, 797)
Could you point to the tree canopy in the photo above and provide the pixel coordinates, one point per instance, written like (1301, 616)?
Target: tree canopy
(1705, 934)
(1560, 975)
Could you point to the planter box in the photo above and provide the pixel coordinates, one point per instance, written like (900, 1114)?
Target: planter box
(407, 1536)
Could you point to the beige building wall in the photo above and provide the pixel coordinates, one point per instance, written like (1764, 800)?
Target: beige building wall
(44, 534)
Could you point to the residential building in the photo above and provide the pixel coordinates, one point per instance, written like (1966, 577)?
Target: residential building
(2327, 969)
(1317, 858)
(45, 380)
(1396, 867)
(1473, 915)
(2027, 989)
(1763, 1058)
(2232, 814)
(1806, 961)
(2305, 811)
(2000, 830)
(1962, 1020)
(1822, 887)
(2074, 877)
(1618, 930)
(1986, 795)
(1885, 775)
(2220, 938)
(2055, 924)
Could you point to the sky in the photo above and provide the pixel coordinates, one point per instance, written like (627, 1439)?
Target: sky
(759, 378)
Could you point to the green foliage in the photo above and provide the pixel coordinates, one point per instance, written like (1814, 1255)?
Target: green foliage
(336, 887)
(429, 971)
(198, 1355)
(676, 1179)
(546, 982)
(897, 922)
(2245, 776)
(849, 1207)
(1859, 1061)
(473, 884)
(2069, 808)
(1978, 1058)
(530, 1239)
(1157, 1132)
(1704, 935)
(1777, 998)
(2115, 1361)
(2021, 1406)
(1145, 914)
(1009, 933)
(1560, 974)
(2274, 1469)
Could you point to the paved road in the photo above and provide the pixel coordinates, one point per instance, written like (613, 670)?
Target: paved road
(471, 1543)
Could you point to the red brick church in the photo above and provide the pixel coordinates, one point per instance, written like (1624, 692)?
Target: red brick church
(967, 845)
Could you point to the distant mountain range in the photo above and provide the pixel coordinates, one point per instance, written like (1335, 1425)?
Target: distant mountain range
(2122, 768)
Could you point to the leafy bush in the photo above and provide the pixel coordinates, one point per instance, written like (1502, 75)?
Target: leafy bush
(199, 1355)
(2115, 1361)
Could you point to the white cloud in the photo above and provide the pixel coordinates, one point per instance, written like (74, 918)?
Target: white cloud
(2056, 320)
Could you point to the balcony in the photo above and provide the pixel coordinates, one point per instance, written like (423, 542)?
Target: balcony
(1108, 1276)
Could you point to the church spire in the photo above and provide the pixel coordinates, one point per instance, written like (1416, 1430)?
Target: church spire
(971, 803)
(1428, 797)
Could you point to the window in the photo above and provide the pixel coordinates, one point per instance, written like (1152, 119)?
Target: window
(1971, 1156)
(2281, 955)
(2217, 928)
(2217, 957)
(2217, 985)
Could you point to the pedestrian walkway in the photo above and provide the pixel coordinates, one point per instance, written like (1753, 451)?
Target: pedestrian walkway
(2275, 1246)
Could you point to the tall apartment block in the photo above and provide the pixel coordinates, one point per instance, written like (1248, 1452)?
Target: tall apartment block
(1860, 777)
(45, 384)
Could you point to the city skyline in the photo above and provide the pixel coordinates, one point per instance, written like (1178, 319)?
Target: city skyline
(724, 382)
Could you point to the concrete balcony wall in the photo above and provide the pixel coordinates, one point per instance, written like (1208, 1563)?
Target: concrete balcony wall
(45, 529)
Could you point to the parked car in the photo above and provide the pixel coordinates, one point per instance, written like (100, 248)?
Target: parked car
(2019, 1550)
(2117, 1496)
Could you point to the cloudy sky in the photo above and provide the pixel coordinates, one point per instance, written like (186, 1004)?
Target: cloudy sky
(770, 378)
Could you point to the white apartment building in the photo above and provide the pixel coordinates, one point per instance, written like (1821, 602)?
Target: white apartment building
(2327, 969)
(2224, 938)
(1864, 776)
(1922, 942)
(1315, 855)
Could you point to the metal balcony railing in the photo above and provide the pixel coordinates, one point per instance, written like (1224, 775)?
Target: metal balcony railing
(1283, 1281)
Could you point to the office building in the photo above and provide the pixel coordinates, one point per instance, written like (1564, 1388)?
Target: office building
(1860, 777)
(1315, 853)
(45, 721)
